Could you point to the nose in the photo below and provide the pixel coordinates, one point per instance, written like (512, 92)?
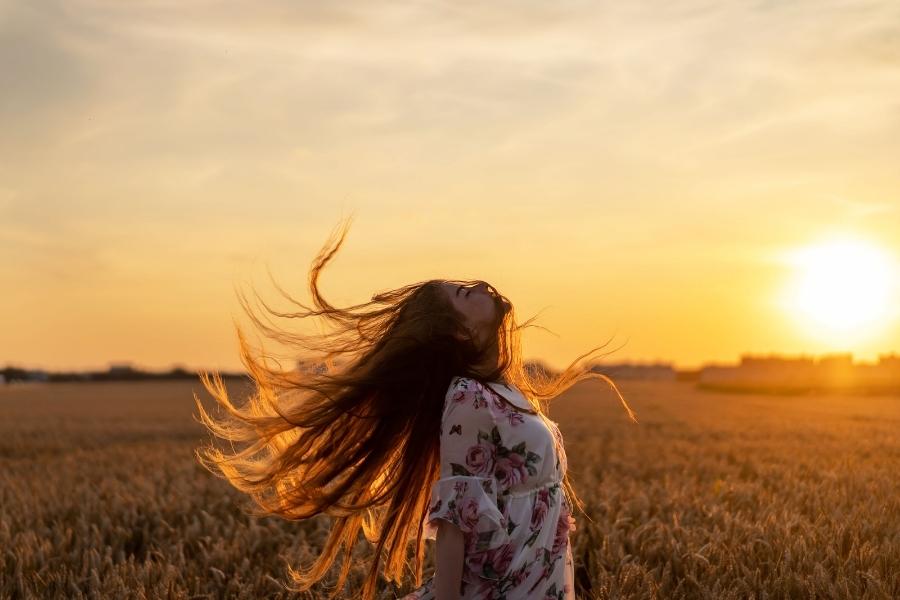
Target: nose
(482, 286)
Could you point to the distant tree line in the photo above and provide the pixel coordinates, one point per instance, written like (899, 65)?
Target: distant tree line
(11, 374)
(125, 372)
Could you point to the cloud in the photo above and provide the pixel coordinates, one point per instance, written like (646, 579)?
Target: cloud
(36, 70)
(150, 102)
(861, 209)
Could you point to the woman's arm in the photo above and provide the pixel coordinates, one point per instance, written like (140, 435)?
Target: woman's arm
(448, 557)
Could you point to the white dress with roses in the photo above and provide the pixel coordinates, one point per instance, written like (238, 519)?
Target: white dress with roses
(501, 484)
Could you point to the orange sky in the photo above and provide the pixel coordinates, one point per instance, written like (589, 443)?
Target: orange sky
(639, 171)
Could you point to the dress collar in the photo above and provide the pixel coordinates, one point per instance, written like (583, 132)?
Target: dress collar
(515, 393)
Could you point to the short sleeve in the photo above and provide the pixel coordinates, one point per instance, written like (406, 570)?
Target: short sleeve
(466, 493)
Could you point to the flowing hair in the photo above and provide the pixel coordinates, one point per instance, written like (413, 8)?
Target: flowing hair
(359, 440)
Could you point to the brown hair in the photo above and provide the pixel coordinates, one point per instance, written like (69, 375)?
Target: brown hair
(360, 441)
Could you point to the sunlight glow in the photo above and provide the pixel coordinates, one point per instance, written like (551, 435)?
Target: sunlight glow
(843, 289)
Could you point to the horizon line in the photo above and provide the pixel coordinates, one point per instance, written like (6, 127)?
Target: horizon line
(175, 366)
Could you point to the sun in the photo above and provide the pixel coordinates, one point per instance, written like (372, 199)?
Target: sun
(842, 289)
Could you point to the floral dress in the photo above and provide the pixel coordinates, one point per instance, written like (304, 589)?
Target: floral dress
(501, 484)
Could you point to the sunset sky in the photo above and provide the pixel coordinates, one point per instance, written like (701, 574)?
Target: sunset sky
(645, 172)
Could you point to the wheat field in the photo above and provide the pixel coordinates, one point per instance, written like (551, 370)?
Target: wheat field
(710, 496)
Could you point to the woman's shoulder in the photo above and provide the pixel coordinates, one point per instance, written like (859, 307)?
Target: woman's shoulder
(464, 383)
(467, 395)
(460, 386)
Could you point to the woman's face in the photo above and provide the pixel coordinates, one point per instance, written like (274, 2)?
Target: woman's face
(479, 304)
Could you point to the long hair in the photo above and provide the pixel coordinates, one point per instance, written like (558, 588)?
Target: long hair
(359, 440)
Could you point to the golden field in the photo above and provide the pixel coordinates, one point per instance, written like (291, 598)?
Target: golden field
(710, 496)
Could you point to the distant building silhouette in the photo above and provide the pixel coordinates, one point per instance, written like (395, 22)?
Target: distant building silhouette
(18, 375)
(802, 374)
(119, 369)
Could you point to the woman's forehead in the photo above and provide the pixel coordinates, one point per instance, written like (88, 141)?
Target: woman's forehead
(447, 287)
(452, 284)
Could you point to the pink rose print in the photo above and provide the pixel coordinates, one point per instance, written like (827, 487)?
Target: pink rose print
(486, 589)
(492, 563)
(563, 525)
(480, 458)
(477, 559)
(521, 574)
(553, 594)
(468, 513)
(541, 508)
(501, 558)
(458, 396)
(510, 470)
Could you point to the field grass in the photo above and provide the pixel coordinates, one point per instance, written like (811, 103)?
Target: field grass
(711, 496)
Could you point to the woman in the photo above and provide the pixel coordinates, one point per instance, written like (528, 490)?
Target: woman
(431, 427)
